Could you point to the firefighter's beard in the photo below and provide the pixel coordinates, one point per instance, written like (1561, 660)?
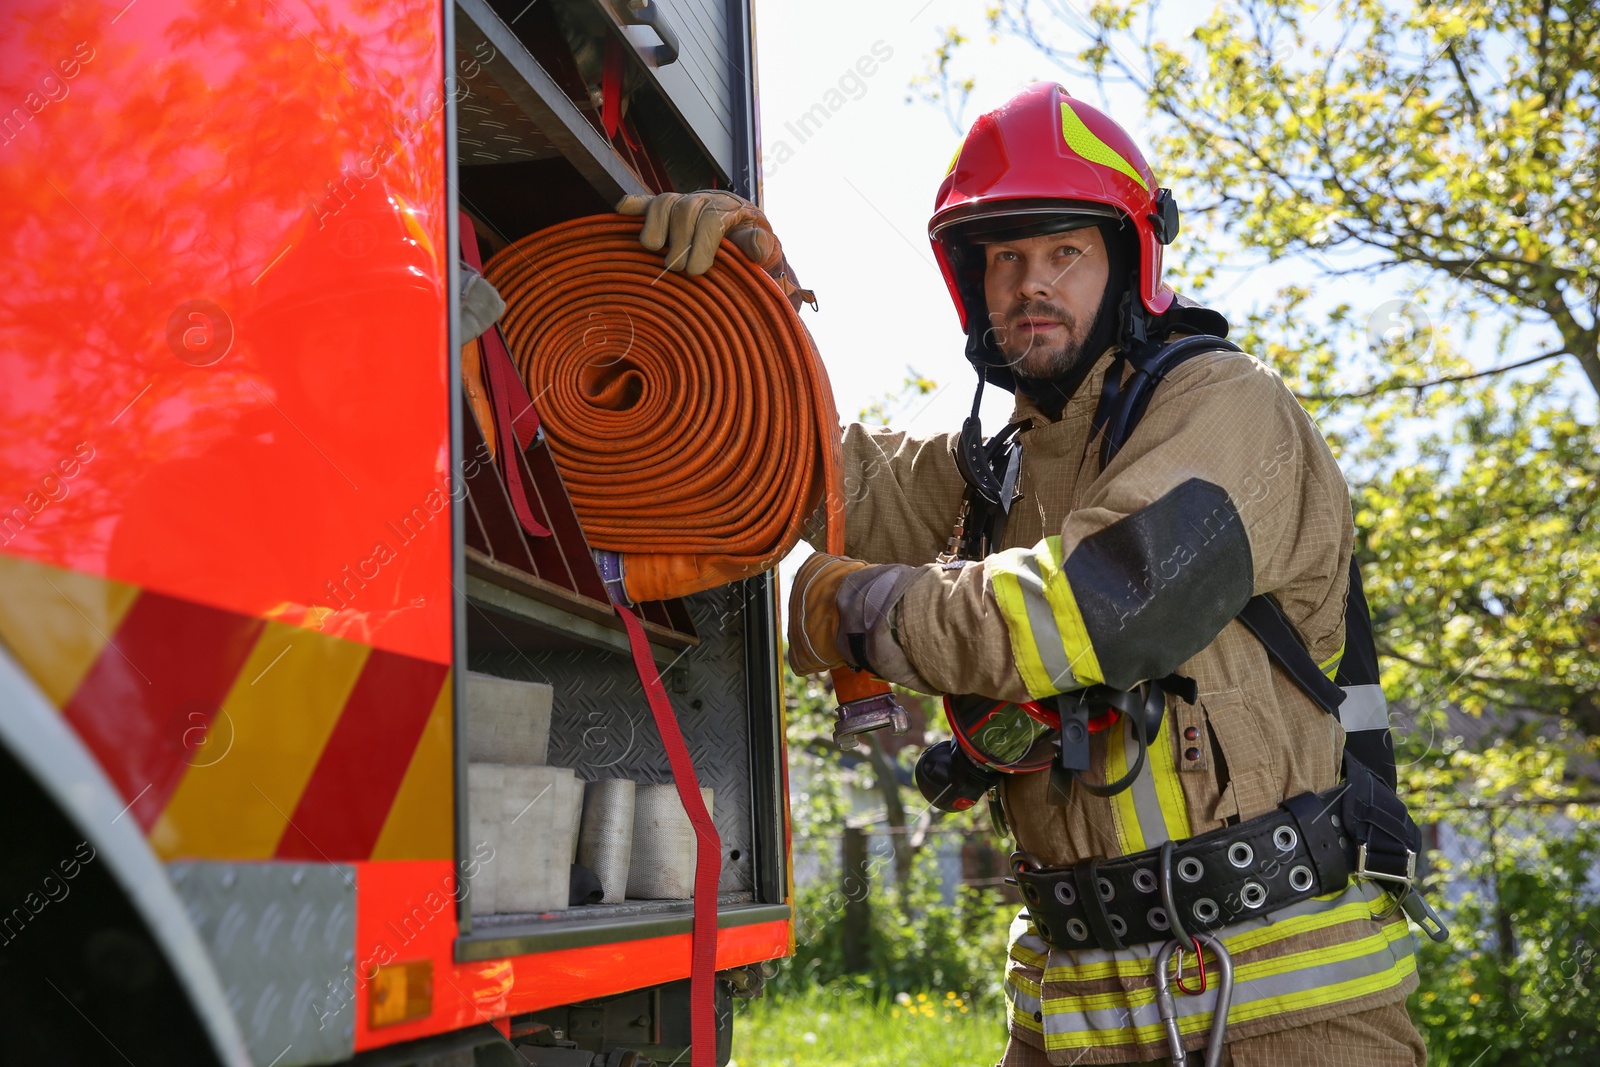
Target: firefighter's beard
(1028, 357)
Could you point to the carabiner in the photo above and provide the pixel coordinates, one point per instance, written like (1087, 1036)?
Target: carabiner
(1200, 961)
(1168, 1008)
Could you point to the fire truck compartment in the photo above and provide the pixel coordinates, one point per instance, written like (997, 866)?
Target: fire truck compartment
(531, 149)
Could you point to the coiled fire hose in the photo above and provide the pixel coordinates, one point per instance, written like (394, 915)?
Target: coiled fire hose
(691, 419)
(694, 426)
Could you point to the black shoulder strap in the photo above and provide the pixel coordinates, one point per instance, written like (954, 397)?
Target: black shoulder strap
(1263, 617)
(1354, 695)
(1365, 712)
(1123, 403)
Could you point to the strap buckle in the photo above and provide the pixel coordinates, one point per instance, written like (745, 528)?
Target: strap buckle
(1405, 894)
(1399, 887)
(1408, 880)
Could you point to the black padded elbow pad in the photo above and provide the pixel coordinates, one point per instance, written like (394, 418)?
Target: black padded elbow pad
(1156, 587)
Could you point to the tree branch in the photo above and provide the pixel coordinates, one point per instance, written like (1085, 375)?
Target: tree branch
(1395, 387)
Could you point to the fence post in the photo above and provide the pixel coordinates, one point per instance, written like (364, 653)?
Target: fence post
(854, 887)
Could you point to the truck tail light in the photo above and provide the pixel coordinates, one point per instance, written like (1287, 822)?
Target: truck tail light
(400, 993)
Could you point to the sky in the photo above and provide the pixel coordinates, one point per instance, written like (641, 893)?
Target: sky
(850, 200)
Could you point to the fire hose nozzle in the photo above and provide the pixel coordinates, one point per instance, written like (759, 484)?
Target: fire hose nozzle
(865, 714)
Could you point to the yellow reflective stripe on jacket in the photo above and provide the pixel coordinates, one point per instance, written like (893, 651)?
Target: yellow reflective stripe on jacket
(1151, 811)
(1272, 986)
(1331, 667)
(1352, 903)
(1048, 637)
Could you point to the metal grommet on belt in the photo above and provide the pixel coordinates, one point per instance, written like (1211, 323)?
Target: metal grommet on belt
(1144, 880)
(1066, 893)
(1107, 890)
(1076, 930)
(1118, 926)
(1240, 854)
(1253, 894)
(1285, 838)
(1157, 918)
(1190, 869)
(1300, 878)
(1206, 910)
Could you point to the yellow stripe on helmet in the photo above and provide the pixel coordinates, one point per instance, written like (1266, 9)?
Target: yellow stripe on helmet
(1082, 140)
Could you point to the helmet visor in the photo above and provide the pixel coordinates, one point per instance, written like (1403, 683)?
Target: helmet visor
(984, 223)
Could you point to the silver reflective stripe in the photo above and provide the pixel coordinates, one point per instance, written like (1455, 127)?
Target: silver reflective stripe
(1143, 790)
(1042, 621)
(1364, 708)
(1026, 1003)
(1303, 980)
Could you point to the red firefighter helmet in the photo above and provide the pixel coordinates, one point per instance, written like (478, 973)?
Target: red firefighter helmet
(1042, 163)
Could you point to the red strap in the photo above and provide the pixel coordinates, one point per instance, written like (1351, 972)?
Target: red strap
(517, 409)
(611, 88)
(708, 852)
(516, 421)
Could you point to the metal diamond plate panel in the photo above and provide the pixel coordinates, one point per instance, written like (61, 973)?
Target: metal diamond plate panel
(601, 725)
(282, 937)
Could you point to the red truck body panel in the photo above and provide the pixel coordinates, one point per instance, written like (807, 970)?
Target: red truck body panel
(225, 514)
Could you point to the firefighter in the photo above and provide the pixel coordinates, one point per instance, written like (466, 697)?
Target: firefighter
(1100, 590)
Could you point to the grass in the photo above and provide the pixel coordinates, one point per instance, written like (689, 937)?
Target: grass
(844, 1027)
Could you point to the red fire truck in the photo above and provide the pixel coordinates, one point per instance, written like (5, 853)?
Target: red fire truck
(251, 547)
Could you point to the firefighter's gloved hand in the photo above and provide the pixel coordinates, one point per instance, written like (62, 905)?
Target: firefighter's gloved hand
(690, 226)
(814, 613)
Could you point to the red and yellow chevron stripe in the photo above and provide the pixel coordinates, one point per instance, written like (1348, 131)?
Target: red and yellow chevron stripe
(239, 738)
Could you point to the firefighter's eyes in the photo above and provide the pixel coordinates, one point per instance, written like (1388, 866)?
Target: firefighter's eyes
(1008, 256)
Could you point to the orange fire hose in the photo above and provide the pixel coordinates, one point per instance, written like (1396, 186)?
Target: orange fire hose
(691, 418)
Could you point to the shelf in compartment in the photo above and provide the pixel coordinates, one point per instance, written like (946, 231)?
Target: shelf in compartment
(509, 610)
(544, 118)
(498, 936)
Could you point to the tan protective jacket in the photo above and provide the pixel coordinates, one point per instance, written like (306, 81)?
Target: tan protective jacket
(1101, 569)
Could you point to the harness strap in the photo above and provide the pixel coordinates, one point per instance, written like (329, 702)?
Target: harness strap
(1263, 617)
(1367, 736)
(1086, 879)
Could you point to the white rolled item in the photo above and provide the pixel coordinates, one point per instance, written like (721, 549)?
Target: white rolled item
(508, 721)
(661, 866)
(485, 784)
(605, 842)
(532, 841)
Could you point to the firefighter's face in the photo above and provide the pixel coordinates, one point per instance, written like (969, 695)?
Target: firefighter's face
(1043, 294)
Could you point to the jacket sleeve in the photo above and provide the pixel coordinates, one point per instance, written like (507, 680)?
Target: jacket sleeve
(1226, 489)
(901, 496)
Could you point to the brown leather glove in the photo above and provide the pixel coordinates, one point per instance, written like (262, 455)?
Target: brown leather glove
(691, 226)
(814, 613)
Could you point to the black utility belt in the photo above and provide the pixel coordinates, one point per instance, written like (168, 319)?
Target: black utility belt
(1309, 846)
